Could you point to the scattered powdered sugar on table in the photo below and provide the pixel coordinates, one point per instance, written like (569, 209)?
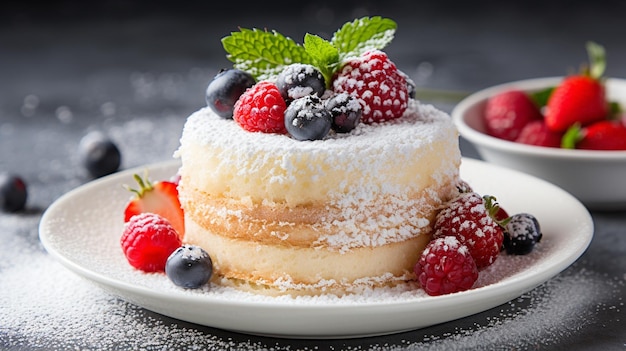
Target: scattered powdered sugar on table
(55, 309)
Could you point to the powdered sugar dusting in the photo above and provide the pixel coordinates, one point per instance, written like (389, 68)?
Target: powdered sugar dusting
(74, 312)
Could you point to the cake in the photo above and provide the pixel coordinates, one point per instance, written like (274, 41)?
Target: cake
(340, 212)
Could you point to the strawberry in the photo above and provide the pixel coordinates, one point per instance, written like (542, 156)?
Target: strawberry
(261, 108)
(508, 112)
(579, 98)
(602, 135)
(160, 198)
(537, 133)
(445, 267)
(377, 84)
(148, 240)
(470, 218)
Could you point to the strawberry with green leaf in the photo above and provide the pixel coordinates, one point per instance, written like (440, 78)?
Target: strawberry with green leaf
(160, 198)
(580, 98)
(602, 135)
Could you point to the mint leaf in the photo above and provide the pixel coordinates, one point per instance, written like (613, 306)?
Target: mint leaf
(363, 34)
(261, 53)
(324, 55)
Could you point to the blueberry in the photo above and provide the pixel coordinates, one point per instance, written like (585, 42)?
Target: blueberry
(306, 118)
(521, 234)
(346, 112)
(13, 192)
(189, 267)
(298, 80)
(99, 155)
(225, 89)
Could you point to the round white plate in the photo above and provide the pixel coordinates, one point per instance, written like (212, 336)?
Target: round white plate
(82, 230)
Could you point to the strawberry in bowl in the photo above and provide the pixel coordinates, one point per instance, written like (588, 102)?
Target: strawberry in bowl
(576, 141)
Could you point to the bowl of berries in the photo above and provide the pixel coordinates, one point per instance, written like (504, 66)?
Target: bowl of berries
(569, 130)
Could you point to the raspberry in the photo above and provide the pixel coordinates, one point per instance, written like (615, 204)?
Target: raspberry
(148, 240)
(508, 112)
(378, 85)
(469, 218)
(446, 267)
(261, 108)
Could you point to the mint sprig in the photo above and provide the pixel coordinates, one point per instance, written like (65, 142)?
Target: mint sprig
(264, 54)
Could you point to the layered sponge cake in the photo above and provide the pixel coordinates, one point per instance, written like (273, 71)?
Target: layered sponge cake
(316, 181)
(336, 215)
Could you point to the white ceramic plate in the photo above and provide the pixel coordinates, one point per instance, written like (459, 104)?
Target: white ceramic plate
(82, 230)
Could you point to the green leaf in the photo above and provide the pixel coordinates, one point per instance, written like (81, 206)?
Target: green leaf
(597, 59)
(261, 53)
(361, 35)
(324, 55)
(540, 97)
(572, 136)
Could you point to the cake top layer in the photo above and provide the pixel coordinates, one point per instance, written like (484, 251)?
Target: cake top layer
(421, 125)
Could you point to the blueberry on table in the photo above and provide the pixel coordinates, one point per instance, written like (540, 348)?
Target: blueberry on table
(99, 155)
(189, 267)
(13, 192)
(225, 89)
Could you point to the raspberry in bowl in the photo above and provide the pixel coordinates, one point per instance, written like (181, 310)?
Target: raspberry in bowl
(594, 176)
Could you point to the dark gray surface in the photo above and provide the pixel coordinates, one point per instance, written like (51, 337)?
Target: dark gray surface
(137, 70)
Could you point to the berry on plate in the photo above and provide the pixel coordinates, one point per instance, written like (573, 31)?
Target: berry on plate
(446, 267)
(374, 80)
(261, 109)
(508, 112)
(521, 233)
(13, 192)
(470, 218)
(148, 240)
(225, 89)
(189, 267)
(159, 197)
(581, 98)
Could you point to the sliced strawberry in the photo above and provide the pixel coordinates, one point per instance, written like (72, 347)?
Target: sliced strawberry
(537, 133)
(508, 112)
(160, 198)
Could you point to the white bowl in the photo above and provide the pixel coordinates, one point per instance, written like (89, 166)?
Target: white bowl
(596, 178)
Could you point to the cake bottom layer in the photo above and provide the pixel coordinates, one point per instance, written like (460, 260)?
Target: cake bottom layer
(279, 270)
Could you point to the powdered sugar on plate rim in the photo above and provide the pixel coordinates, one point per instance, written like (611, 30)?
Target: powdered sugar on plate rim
(82, 231)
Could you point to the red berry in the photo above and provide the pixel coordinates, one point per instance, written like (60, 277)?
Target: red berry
(160, 198)
(468, 218)
(538, 134)
(603, 135)
(446, 267)
(148, 240)
(578, 99)
(508, 112)
(375, 81)
(261, 108)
